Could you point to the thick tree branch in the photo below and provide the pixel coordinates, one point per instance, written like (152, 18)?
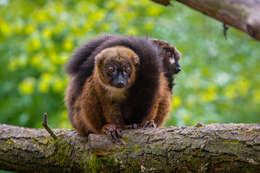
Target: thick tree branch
(210, 148)
(241, 14)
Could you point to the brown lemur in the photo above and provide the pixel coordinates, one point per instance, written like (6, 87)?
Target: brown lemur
(119, 82)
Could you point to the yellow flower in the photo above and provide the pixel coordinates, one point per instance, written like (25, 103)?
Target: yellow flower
(149, 25)
(145, 2)
(45, 83)
(46, 33)
(59, 7)
(53, 57)
(210, 94)
(111, 5)
(5, 28)
(176, 102)
(230, 92)
(40, 16)
(58, 85)
(58, 28)
(36, 61)
(106, 26)
(27, 86)
(99, 15)
(154, 11)
(132, 31)
(33, 44)
(12, 65)
(63, 58)
(242, 86)
(29, 29)
(78, 31)
(68, 44)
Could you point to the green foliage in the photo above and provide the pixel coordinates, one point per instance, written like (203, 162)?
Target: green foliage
(219, 82)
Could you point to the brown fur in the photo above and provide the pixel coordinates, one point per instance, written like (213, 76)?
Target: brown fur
(99, 102)
(96, 104)
(119, 54)
(161, 107)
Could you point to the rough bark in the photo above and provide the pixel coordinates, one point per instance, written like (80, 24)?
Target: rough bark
(207, 148)
(241, 14)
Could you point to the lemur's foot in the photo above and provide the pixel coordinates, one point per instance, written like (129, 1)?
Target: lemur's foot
(149, 124)
(112, 131)
(132, 126)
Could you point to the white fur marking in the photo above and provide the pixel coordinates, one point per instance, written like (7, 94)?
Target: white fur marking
(172, 60)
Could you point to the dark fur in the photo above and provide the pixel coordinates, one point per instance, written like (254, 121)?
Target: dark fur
(83, 53)
(82, 61)
(166, 52)
(83, 56)
(142, 94)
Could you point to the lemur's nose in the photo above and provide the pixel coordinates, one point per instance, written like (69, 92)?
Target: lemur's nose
(178, 69)
(120, 84)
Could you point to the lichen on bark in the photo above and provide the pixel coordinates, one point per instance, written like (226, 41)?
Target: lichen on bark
(213, 147)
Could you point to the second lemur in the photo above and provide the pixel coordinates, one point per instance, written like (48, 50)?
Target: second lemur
(120, 81)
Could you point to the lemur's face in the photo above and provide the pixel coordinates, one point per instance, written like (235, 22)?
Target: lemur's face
(171, 56)
(118, 73)
(173, 61)
(117, 67)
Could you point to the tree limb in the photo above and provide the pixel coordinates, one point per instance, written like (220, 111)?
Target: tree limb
(205, 148)
(45, 125)
(241, 14)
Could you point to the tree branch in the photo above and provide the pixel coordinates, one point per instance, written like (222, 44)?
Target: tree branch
(45, 125)
(214, 147)
(241, 14)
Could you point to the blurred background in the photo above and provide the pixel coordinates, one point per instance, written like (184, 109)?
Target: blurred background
(219, 82)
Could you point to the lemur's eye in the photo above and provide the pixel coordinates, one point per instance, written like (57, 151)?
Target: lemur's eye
(127, 70)
(111, 69)
(169, 53)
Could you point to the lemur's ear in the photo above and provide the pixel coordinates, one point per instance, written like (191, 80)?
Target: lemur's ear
(168, 47)
(136, 60)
